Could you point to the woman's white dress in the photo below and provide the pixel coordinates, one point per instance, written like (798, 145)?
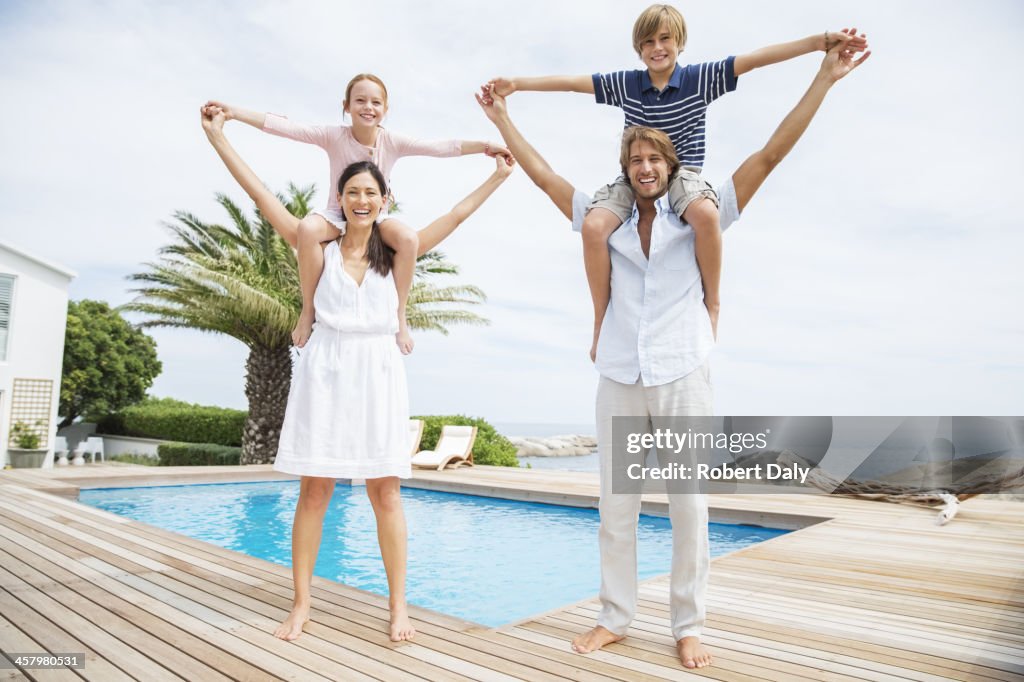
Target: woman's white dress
(348, 408)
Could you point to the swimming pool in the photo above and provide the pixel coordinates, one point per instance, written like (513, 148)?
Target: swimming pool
(486, 560)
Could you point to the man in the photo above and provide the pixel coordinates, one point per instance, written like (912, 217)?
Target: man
(655, 342)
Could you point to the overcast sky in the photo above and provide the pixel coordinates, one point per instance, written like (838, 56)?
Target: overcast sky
(876, 272)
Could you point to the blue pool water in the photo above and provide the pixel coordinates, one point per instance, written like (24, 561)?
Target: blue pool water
(487, 560)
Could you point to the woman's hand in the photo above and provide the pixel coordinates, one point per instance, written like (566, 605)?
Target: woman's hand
(213, 119)
(503, 166)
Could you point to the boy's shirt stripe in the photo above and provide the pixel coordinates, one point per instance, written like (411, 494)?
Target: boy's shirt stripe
(680, 110)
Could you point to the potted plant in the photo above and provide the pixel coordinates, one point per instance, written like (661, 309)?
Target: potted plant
(26, 453)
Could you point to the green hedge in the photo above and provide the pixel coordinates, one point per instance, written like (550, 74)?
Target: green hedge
(197, 454)
(490, 447)
(169, 419)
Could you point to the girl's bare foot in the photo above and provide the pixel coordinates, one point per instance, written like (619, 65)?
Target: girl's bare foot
(303, 328)
(594, 639)
(291, 628)
(401, 626)
(693, 654)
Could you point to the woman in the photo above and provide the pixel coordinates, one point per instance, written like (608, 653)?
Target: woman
(347, 414)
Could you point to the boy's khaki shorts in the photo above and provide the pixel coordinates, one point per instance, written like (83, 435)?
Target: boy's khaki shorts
(685, 186)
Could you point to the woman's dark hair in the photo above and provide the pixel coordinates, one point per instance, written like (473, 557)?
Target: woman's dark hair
(379, 254)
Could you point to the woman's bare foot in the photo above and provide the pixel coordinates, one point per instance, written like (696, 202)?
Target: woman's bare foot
(401, 626)
(404, 339)
(291, 628)
(303, 328)
(594, 639)
(693, 654)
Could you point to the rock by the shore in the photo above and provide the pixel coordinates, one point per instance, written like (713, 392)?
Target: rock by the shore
(553, 446)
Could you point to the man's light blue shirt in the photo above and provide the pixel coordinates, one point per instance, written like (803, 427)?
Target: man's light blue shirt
(656, 327)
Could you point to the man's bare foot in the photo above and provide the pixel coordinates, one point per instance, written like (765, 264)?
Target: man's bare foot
(404, 339)
(594, 639)
(303, 328)
(291, 628)
(401, 626)
(693, 654)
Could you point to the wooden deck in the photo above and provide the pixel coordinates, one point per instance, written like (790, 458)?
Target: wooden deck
(864, 591)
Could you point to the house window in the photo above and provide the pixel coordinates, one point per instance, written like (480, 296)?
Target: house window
(6, 293)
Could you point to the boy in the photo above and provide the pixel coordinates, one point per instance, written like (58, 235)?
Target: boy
(673, 99)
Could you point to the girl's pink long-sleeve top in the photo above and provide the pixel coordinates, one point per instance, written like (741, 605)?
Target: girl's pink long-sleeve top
(343, 149)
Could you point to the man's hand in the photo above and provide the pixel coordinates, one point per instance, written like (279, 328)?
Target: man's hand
(492, 103)
(839, 62)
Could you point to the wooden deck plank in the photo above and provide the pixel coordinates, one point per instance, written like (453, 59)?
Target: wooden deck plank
(100, 574)
(101, 631)
(876, 592)
(16, 641)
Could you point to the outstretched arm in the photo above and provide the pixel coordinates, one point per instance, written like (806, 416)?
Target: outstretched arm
(254, 118)
(506, 86)
(773, 54)
(752, 172)
(269, 205)
(437, 231)
(558, 189)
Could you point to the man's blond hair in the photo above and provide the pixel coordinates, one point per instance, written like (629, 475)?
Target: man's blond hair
(652, 18)
(656, 138)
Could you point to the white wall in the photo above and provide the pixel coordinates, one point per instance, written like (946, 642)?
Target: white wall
(35, 344)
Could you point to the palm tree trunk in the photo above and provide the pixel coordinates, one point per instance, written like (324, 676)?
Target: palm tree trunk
(268, 376)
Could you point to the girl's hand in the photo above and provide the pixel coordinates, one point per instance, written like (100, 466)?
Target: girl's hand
(494, 150)
(229, 113)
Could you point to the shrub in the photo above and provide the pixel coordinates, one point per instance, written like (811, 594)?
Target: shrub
(490, 447)
(197, 454)
(129, 458)
(169, 419)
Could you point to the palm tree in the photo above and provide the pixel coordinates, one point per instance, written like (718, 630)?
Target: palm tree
(242, 281)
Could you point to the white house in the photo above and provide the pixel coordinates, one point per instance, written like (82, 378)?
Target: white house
(33, 315)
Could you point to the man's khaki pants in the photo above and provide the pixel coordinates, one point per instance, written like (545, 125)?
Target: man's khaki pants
(688, 512)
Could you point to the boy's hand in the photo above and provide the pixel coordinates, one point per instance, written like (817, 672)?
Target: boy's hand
(502, 86)
(846, 38)
(229, 114)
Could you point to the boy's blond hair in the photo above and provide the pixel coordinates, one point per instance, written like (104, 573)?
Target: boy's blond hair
(652, 18)
(657, 138)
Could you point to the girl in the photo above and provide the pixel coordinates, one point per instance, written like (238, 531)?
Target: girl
(366, 101)
(348, 414)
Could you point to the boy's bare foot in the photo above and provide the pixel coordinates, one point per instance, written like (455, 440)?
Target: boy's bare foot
(594, 639)
(693, 654)
(404, 340)
(291, 627)
(304, 327)
(401, 626)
